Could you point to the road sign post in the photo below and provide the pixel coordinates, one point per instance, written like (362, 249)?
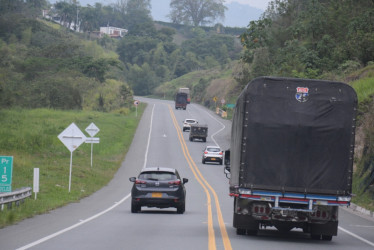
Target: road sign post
(36, 182)
(92, 130)
(72, 137)
(6, 170)
(136, 103)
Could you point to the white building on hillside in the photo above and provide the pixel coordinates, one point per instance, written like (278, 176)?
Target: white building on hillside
(113, 31)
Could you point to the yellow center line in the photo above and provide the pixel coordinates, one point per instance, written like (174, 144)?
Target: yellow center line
(201, 180)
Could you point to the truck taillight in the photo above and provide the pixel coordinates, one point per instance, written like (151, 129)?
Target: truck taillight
(261, 209)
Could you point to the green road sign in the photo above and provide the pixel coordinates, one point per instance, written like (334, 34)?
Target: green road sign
(6, 169)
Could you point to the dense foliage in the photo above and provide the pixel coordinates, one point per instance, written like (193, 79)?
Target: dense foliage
(310, 38)
(43, 66)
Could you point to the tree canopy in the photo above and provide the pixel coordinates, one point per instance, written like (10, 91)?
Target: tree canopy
(196, 12)
(310, 38)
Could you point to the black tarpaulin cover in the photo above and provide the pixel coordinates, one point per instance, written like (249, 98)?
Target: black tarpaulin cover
(294, 135)
(181, 98)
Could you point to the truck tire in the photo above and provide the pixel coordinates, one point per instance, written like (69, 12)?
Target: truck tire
(191, 139)
(204, 139)
(315, 236)
(241, 231)
(327, 237)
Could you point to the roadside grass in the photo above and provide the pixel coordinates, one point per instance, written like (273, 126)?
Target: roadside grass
(30, 136)
(361, 198)
(364, 88)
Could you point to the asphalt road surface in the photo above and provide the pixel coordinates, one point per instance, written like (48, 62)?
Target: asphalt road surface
(104, 220)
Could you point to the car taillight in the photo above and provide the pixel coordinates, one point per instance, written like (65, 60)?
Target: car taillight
(140, 182)
(220, 153)
(205, 152)
(177, 182)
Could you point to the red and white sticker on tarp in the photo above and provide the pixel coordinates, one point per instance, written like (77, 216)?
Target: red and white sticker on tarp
(302, 94)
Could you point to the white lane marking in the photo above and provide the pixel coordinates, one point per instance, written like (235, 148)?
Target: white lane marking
(223, 127)
(356, 236)
(73, 226)
(94, 216)
(363, 226)
(149, 138)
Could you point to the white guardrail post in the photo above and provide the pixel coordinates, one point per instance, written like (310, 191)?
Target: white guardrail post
(15, 196)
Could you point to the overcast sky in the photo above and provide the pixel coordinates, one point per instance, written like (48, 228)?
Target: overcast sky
(261, 4)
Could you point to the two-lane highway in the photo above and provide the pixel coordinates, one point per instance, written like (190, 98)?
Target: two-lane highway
(104, 220)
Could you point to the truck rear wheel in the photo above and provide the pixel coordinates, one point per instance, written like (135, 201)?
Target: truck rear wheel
(327, 237)
(241, 231)
(315, 236)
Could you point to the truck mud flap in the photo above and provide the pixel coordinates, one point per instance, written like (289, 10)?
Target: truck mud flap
(329, 228)
(245, 222)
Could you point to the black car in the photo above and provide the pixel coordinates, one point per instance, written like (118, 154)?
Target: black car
(158, 187)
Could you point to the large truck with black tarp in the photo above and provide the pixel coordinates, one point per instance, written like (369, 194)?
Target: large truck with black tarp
(291, 155)
(187, 91)
(181, 101)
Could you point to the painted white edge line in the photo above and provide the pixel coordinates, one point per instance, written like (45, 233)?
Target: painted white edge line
(356, 236)
(96, 215)
(73, 226)
(149, 137)
(223, 127)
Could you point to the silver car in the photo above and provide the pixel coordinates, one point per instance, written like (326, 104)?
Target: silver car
(212, 154)
(188, 122)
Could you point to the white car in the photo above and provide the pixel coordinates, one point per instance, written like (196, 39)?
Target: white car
(212, 154)
(188, 122)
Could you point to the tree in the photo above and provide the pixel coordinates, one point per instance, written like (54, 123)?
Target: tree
(196, 12)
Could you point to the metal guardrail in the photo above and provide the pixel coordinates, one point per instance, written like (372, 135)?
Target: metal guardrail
(15, 196)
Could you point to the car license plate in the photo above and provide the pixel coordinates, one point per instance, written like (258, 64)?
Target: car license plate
(213, 159)
(156, 195)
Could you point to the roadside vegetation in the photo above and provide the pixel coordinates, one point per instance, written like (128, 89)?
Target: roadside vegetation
(30, 136)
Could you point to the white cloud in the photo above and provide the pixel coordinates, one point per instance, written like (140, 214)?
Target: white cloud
(261, 4)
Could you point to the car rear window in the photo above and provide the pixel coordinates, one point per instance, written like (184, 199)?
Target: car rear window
(190, 121)
(158, 176)
(214, 150)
